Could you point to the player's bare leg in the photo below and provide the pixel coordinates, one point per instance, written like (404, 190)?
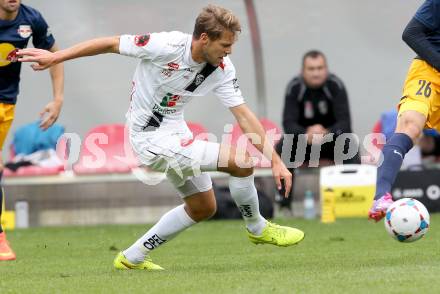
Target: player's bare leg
(201, 206)
(197, 207)
(238, 164)
(409, 127)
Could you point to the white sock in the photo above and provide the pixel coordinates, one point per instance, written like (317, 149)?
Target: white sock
(245, 195)
(170, 224)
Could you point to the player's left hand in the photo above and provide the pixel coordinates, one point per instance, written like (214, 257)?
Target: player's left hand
(42, 59)
(280, 172)
(50, 114)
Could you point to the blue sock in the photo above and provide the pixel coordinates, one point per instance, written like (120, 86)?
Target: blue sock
(393, 153)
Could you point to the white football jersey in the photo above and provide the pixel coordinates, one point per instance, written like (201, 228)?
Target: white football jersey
(167, 78)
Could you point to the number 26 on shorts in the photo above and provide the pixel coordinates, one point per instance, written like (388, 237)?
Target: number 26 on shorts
(425, 88)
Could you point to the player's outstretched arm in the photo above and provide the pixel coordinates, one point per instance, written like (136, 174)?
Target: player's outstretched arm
(250, 124)
(44, 59)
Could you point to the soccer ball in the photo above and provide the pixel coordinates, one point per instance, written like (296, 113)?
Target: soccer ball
(407, 220)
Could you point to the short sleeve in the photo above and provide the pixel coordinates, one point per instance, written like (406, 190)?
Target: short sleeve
(42, 37)
(146, 46)
(429, 14)
(229, 91)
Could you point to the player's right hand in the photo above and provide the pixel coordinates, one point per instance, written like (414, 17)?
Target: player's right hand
(42, 59)
(280, 172)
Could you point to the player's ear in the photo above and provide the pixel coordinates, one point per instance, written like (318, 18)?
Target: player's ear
(204, 38)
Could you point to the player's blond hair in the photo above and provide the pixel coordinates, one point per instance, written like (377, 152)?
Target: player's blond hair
(213, 20)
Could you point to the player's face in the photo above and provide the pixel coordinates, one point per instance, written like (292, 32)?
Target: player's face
(214, 50)
(9, 6)
(315, 71)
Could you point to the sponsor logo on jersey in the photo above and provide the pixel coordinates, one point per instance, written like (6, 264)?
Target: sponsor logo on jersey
(141, 41)
(12, 56)
(8, 54)
(173, 66)
(166, 72)
(163, 111)
(24, 31)
(170, 100)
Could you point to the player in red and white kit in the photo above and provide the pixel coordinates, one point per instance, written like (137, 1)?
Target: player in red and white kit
(174, 68)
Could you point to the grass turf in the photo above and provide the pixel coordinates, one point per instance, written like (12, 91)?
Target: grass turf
(350, 256)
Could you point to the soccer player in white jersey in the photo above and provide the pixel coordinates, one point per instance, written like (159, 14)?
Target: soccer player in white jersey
(175, 67)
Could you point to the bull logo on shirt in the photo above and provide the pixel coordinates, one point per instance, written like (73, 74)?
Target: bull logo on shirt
(24, 31)
(8, 54)
(141, 41)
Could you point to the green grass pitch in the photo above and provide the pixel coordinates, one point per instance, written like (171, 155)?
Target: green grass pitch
(350, 256)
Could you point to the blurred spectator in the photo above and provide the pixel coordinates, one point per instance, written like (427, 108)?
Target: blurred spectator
(316, 103)
(430, 144)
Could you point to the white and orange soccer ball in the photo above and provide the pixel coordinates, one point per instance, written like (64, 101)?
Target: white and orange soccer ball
(407, 220)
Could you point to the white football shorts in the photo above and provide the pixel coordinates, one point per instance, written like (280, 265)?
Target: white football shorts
(185, 162)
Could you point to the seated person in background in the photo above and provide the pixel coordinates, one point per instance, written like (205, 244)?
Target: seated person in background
(386, 125)
(430, 144)
(316, 103)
